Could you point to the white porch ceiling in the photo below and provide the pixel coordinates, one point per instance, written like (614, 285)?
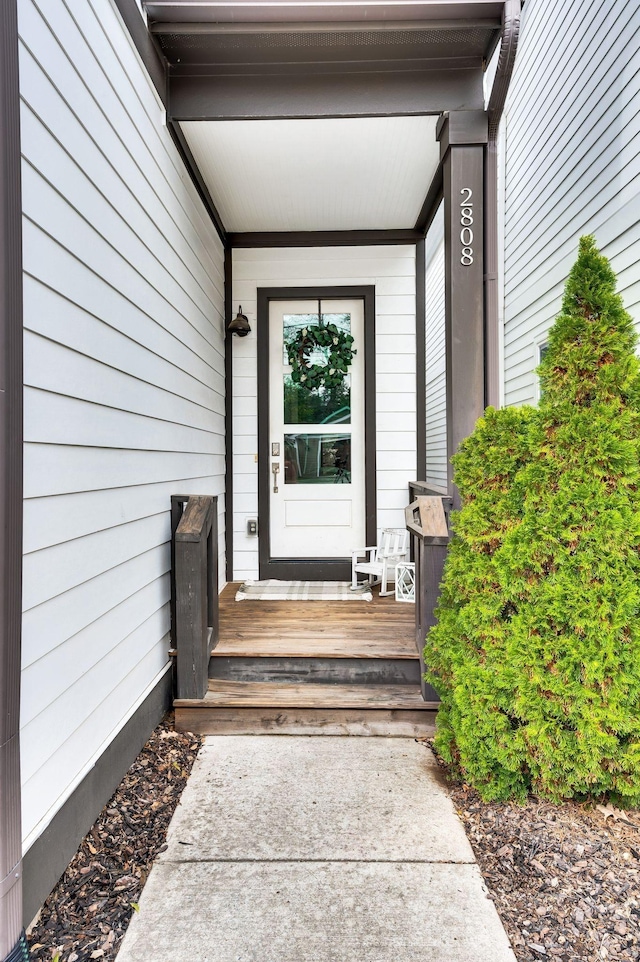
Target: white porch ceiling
(367, 173)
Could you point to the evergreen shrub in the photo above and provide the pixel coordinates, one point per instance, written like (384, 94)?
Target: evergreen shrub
(536, 653)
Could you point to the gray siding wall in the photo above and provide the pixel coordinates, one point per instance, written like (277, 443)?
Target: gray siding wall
(436, 385)
(572, 165)
(124, 385)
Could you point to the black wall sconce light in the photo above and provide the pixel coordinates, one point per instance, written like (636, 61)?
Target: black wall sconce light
(240, 324)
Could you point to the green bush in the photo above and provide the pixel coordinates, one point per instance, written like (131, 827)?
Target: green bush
(536, 653)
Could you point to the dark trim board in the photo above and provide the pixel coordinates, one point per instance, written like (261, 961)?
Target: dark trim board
(228, 415)
(330, 569)
(52, 851)
(421, 363)
(11, 479)
(323, 238)
(431, 203)
(153, 60)
(198, 181)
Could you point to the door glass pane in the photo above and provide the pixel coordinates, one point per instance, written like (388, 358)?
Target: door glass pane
(322, 405)
(317, 459)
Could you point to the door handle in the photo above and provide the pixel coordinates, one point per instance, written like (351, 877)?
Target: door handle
(275, 468)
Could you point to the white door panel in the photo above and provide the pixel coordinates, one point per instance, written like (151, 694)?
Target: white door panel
(318, 509)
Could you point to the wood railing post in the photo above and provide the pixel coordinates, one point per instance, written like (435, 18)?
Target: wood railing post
(195, 594)
(427, 519)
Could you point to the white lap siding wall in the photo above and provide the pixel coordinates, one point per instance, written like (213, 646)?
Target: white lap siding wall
(572, 166)
(392, 271)
(124, 385)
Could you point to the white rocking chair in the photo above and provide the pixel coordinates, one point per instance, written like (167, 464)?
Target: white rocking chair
(380, 559)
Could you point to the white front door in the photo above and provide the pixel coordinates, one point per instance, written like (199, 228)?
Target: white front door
(317, 501)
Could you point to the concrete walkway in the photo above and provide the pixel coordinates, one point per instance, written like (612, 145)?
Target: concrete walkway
(315, 849)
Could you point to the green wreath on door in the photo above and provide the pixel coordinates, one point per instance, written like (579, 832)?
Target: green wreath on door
(314, 376)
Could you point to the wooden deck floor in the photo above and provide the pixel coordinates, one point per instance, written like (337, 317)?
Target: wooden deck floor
(312, 667)
(382, 628)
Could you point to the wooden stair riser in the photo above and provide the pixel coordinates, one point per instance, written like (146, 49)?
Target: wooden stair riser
(329, 671)
(305, 721)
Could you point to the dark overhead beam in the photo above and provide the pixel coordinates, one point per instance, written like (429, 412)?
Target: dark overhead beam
(195, 11)
(356, 26)
(323, 238)
(306, 95)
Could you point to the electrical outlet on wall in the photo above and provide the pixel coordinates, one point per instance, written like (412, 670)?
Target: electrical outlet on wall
(252, 526)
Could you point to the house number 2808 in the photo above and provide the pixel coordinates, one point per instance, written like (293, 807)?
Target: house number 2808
(466, 227)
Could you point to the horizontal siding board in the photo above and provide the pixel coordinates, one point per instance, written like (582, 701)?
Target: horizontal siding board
(394, 420)
(74, 421)
(395, 364)
(246, 503)
(401, 401)
(53, 469)
(396, 440)
(397, 480)
(400, 324)
(388, 344)
(54, 519)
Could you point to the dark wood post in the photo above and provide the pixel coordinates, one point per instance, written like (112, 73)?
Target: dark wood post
(427, 518)
(430, 559)
(462, 135)
(196, 594)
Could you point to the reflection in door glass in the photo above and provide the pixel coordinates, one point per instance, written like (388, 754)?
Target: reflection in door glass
(324, 406)
(320, 405)
(317, 459)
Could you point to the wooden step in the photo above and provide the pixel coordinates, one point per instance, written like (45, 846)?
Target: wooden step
(231, 707)
(316, 641)
(226, 694)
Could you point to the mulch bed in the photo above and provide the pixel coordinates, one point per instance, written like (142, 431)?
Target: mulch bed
(565, 879)
(88, 912)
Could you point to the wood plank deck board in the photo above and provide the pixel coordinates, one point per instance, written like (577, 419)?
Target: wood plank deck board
(382, 628)
(242, 694)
